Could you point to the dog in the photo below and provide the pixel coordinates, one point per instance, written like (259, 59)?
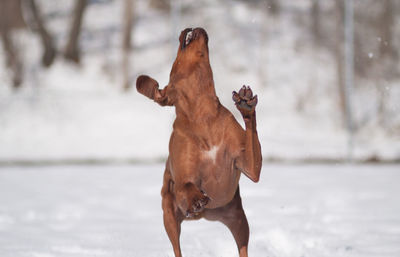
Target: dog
(208, 148)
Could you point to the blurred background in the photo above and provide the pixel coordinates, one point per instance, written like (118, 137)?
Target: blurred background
(82, 153)
(326, 72)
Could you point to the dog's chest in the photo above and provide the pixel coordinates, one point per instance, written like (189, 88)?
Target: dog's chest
(211, 154)
(216, 162)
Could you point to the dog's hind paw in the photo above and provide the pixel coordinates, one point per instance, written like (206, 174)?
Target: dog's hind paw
(198, 205)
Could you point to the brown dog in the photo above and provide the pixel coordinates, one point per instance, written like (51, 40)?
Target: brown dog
(208, 149)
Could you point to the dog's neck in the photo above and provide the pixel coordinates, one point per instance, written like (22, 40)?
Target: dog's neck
(198, 105)
(196, 100)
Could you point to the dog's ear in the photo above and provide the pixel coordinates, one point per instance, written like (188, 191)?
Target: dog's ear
(147, 86)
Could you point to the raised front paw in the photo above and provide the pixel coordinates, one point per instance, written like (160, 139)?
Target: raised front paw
(245, 101)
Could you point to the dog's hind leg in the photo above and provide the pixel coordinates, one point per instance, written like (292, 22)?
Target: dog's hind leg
(172, 215)
(233, 216)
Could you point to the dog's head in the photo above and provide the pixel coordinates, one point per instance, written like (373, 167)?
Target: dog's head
(193, 42)
(192, 52)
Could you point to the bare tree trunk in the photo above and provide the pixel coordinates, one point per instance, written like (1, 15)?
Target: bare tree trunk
(72, 51)
(386, 24)
(39, 27)
(273, 6)
(387, 55)
(127, 42)
(339, 10)
(316, 21)
(10, 19)
(163, 5)
(12, 59)
(11, 14)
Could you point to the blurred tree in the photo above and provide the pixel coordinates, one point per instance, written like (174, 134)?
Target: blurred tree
(316, 21)
(11, 14)
(339, 56)
(72, 51)
(38, 26)
(388, 57)
(163, 5)
(11, 19)
(127, 41)
(385, 27)
(273, 6)
(376, 54)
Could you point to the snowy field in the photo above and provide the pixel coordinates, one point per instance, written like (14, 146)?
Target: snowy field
(296, 211)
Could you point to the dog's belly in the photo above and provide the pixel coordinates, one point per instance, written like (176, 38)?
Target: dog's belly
(207, 162)
(218, 177)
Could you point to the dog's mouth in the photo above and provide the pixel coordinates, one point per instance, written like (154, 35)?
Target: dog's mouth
(189, 36)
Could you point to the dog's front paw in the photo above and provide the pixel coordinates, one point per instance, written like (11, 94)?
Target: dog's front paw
(245, 101)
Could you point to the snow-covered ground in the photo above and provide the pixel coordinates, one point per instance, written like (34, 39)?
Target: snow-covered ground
(294, 211)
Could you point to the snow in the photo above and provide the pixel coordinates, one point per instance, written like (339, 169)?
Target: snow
(295, 210)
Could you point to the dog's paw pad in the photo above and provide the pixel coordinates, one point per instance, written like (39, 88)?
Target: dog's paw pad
(244, 100)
